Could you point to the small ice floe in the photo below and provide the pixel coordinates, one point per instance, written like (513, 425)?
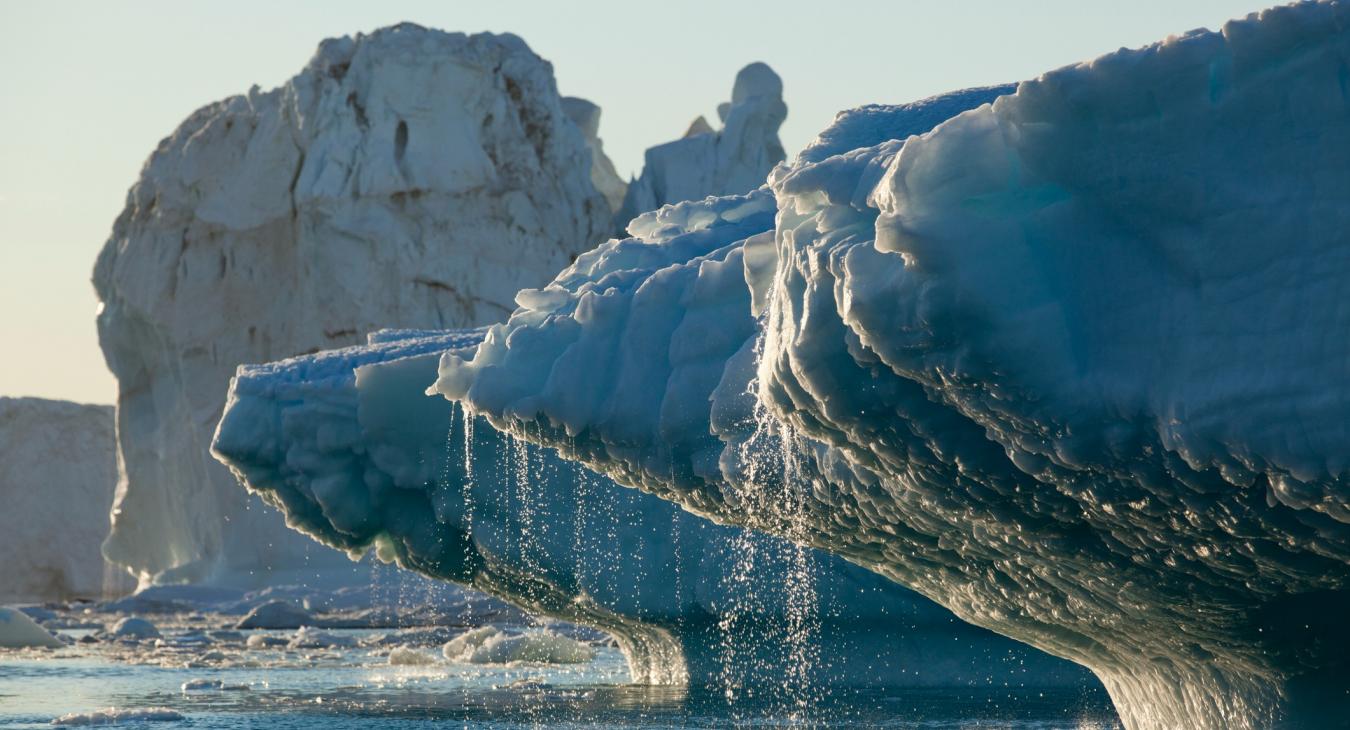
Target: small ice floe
(276, 615)
(192, 639)
(410, 657)
(136, 628)
(116, 716)
(18, 631)
(489, 645)
(212, 685)
(262, 641)
(308, 637)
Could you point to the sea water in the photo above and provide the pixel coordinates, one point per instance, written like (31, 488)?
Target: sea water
(349, 682)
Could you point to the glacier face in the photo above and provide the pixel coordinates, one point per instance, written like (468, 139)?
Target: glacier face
(350, 447)
(405, 178)
(705, 161)
(1068, 365)
(57, 475)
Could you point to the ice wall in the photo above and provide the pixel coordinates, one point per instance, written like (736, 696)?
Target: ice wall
(408, 177)
(57, 474)
(1069, 365)
(705, 162)
(348, 444)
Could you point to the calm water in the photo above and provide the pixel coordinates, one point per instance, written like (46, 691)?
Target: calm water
(355, 686)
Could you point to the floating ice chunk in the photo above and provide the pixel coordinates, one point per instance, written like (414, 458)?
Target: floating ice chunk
(133, 627)
(308, 637)
(276, 615)
(263, 641)
(411, 657)
(119, 716)
(489, 645)
(18, 631)
(212, 685)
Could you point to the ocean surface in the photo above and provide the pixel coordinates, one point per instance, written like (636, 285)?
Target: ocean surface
(350, 683)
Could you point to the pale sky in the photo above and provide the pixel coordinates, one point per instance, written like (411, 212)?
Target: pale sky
(89, 88)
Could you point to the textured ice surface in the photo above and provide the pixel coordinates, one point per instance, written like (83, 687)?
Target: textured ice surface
(404, 178)
(57, 475)
(1070, 365)
(350, 446)
(707, 162)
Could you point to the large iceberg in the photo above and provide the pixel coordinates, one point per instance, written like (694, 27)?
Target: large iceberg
(725, 161)
(408, 177)
(1069, 365)
(350, 447)
(57, 474)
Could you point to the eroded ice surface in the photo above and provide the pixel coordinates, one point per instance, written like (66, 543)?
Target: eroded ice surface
(408, 177)
(348, 444)
(1070, 365)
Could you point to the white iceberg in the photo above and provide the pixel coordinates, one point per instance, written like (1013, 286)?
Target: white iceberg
(57, 474)
(705, 161)
(408, 177)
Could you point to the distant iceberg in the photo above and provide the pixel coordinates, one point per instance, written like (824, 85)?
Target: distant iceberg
(58, 471)
(407, 177)
(707, 161)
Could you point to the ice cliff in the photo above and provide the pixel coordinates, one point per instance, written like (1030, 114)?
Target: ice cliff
(348, 444)
(57, 474)
(707, 162)
(404, 178)
(1069, 364)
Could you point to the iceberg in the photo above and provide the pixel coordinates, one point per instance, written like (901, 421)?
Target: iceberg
(408, 177)
(1067, 364)
(586, 115)
(707, 162)
(57, 474)
(356, 455)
